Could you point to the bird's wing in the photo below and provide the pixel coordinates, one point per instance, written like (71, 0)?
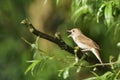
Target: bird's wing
(85, 40)
(97, 46)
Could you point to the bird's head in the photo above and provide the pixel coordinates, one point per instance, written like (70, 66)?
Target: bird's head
(74, 32)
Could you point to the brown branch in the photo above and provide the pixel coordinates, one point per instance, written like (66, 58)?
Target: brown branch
(55, 40)
(61, 44)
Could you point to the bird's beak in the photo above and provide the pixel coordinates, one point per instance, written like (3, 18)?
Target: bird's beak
(69, 36)
(69, 31)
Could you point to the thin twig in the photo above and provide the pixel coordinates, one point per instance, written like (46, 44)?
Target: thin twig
(26, 41)
(105, 64)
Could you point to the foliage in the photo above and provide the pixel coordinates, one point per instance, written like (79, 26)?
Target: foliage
(109, 75)
(78, 8)
(13, 51)
(41, 58)
(114, 74)
(97, 19)
(104, 12)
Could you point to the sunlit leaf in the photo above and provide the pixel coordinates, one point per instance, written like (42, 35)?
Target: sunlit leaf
(100, 11)
(117, 75)
(57, 2)
(77, 2)
(78, 12)
(45, 1)
(118, 60)
(118, 44)
(107, 76)
(110, 60)
(84, 2)
(66, 73)
(33, 46)
(91, 78)
(108, 14)
(32, 66)
(60, 73)
(78, 69)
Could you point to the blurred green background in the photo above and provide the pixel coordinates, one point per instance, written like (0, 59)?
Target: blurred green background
(13, 51)
(50, 16)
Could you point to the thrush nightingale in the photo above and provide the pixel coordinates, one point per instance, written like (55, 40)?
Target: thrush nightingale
(85, 43)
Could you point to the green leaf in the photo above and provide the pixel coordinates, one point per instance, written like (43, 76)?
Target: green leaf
(66, 73)
(45, 1)
(110, 60)
(117, 75)
(91, 78)
(57, 2)
(100, 11)
(78, 12)
(79, 68)
(107, 76)
(32, 66)
(118, 44)
(108, 14)
(118, 60)
(35, 45)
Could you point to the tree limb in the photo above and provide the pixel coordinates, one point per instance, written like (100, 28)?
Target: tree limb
(55, 40)
(61, 44)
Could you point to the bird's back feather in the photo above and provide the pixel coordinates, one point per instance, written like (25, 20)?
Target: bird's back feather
(87, 41)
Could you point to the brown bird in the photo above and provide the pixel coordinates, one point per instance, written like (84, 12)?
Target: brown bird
(84, 42)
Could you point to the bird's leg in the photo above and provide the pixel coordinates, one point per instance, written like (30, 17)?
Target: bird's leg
(86, 53)
(84, 50)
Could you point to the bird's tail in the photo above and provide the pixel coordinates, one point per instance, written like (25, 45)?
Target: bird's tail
(96, 53)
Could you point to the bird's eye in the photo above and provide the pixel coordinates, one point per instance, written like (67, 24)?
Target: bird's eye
(73, 31)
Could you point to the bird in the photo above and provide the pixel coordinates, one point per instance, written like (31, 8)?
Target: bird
(85, 43)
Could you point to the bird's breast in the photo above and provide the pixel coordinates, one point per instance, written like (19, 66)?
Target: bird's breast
(81, 44)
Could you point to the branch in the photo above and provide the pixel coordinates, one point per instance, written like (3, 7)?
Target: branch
(104, 64)
(62, 44)
(55, 40)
